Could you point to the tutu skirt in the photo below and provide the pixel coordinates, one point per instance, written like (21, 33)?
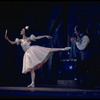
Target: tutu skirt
(35, 57)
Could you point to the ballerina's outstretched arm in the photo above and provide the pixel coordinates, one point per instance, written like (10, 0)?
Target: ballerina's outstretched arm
(34, 38)
(6, 37)
(37, 37)
(44, 36)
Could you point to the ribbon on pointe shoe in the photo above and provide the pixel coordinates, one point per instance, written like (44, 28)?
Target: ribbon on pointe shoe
(31, 85)
(66, 48)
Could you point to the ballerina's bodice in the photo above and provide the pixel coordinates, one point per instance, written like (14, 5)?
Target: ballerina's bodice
(25, 45)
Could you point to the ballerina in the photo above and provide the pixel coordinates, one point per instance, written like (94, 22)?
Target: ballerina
(35, 56)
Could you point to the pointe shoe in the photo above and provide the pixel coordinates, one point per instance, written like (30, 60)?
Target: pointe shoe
(31, 85)
(66, 48)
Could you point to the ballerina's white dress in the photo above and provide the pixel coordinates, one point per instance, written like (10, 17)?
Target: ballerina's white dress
(35, 56)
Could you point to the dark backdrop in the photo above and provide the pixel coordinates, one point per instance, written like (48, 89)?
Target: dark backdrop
(52, 18)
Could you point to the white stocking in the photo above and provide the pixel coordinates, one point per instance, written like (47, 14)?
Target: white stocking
(60, 49)
(32, 79)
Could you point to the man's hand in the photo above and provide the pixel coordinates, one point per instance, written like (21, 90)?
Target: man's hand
(72, 39)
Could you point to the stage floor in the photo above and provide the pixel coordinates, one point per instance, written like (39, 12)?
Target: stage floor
(48, 92)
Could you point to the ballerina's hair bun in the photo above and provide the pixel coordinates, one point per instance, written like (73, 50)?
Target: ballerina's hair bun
(26, 27)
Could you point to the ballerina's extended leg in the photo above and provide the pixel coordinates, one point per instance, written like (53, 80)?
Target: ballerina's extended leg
(60, 49)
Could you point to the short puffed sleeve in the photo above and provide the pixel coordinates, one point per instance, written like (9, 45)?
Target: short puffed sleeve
(17, 41)
(32, 37)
